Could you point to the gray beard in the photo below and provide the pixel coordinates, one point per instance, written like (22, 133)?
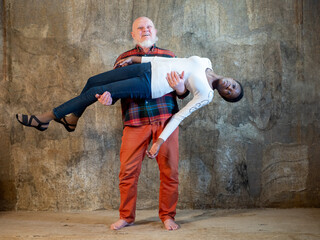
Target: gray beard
(147, 43)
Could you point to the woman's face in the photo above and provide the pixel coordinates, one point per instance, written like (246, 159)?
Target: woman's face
(229, 88)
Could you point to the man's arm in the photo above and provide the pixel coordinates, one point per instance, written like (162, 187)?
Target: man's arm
(105, 98)
(176, 81)
(127, 61)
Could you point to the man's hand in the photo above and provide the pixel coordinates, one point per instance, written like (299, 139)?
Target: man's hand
(176, 82)
(127, 61)
(154, 150)
(105, 98)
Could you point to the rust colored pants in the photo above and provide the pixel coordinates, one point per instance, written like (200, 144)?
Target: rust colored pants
(135, 142)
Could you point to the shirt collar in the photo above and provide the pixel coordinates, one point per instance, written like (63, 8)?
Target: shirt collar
(151, 49)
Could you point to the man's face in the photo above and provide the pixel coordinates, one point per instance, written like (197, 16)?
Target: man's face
(144, 32)
(229, 88)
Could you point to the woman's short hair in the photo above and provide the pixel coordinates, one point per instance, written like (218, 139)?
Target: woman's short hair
(236, 99)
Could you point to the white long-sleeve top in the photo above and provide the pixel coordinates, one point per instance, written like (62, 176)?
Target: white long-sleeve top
(195, 80)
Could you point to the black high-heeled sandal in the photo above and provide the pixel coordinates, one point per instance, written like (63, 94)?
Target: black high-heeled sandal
(66, 124)
(26, 121)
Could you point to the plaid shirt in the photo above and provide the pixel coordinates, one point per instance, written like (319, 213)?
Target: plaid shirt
(138, 112)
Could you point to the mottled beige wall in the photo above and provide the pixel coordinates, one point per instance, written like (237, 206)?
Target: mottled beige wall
(8, 192)
(263, 151)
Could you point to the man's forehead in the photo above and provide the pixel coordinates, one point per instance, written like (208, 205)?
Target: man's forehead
(142, 21)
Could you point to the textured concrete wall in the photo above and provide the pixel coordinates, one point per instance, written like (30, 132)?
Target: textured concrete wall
(8, 192)
(263, 151)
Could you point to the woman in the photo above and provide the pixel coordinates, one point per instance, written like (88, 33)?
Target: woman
(146, 80)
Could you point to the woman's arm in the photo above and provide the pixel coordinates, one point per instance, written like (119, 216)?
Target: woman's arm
(176, 81)
(154, 150)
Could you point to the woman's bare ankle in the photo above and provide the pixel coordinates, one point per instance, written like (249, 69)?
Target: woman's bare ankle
(72, 119)
(46, 117)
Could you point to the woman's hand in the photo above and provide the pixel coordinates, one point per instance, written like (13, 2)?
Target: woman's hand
(176, 82)
(154, 150)
(105, 98)
(127, 61)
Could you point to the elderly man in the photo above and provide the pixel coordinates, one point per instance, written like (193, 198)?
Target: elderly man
(144, 121)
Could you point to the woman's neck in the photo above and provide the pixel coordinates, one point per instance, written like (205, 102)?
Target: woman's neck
(213, 78)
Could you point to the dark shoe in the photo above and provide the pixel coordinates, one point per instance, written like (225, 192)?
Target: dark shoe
(26, 121)
(66, 124)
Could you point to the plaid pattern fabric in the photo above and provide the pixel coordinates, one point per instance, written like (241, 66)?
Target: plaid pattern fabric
(138, 112)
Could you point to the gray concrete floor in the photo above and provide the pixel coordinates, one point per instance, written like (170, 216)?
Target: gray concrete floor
(279, 224)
